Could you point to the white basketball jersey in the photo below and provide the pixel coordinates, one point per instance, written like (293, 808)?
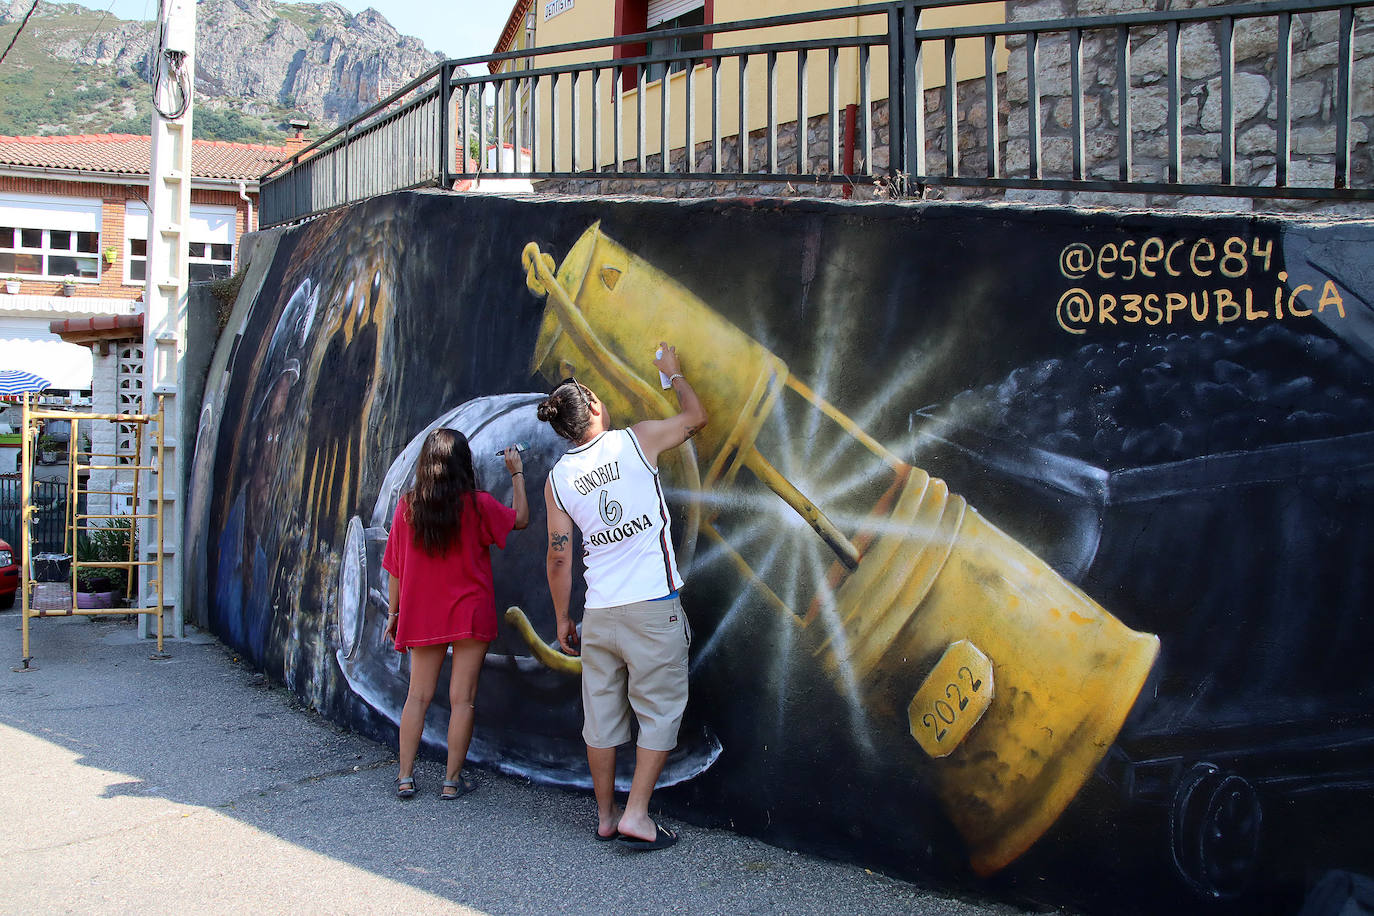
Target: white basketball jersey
(609, 489)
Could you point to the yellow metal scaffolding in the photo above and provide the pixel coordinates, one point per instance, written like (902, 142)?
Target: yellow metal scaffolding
(78, 522)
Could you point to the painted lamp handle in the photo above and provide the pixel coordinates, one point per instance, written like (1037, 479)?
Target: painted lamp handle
(554, 660)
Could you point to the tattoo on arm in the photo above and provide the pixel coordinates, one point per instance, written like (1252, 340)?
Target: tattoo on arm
(558, 541)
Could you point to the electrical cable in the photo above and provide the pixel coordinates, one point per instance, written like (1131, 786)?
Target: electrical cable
(171, 64)
(18, 30)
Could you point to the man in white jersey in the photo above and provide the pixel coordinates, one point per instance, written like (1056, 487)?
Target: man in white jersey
(634, 633)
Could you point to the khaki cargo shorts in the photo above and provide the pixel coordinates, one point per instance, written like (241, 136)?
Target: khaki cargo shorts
(634, 656)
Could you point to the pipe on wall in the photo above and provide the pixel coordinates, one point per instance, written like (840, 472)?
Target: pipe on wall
(243, 196)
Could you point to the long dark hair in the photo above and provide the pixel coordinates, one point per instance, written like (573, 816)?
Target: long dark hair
(567, 410)
(444, 482)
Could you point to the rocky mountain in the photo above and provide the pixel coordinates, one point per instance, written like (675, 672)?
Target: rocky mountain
(258, 64)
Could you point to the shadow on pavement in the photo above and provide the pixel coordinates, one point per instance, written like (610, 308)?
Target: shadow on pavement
(192, 781)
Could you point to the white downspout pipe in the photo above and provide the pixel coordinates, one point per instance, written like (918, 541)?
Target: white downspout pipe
(243, 196)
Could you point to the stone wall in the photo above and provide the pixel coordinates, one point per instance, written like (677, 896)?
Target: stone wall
(817, 159)
(1313, 129)
(972, 146)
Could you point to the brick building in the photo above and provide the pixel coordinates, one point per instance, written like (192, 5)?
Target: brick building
(73, 255)
(74, 231)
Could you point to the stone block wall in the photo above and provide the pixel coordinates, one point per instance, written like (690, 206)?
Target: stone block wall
(116, 388)
(1255, 94)
(104, 399)
(972, 118)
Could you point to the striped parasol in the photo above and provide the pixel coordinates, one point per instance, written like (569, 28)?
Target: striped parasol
(17, 382)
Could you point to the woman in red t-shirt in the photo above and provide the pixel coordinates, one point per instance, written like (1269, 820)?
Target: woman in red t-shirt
(441, 590)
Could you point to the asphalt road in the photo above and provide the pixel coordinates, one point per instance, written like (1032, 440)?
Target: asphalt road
(191, 785)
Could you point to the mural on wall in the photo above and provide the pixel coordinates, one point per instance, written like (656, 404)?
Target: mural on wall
(1004, 545)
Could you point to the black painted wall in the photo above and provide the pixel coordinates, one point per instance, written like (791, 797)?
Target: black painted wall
(1102, 479)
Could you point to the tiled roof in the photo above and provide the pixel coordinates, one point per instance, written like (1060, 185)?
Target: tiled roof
(127, 154)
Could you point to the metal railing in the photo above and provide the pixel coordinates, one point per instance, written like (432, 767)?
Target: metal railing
(1120, 103)
(402, 142)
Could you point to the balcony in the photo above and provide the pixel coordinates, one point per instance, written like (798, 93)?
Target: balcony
(1266, 101)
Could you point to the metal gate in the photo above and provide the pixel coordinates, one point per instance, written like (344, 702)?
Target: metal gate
(48, 530)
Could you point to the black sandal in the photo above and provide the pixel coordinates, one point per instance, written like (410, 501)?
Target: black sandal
(461, 786)
(405, 786)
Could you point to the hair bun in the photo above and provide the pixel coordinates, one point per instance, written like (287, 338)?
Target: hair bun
(547, 410)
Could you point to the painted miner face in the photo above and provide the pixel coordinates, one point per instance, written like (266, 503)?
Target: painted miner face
(269, 430)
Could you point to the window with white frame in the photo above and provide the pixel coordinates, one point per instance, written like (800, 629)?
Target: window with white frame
(210, 245)
(49, 238)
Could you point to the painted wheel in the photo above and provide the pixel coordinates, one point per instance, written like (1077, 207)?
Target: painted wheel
(351, 597)
(1214, 831)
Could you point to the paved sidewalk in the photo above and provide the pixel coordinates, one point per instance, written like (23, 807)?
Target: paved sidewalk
(189, 785)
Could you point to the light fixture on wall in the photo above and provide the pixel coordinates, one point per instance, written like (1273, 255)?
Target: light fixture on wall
(1000, 683)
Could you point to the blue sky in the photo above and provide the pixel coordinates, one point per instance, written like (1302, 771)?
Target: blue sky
(458, 28)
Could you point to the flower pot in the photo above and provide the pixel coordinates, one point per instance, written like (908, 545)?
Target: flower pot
(95, 600)
(68, 289)
(12, 287)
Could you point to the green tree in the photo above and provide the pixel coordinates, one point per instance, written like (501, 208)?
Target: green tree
(213, 124)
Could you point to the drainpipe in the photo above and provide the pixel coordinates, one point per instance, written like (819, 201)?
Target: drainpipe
(243, 196)
(851, 113)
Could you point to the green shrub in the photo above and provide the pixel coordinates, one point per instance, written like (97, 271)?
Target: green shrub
(107, 544)
(226, 292)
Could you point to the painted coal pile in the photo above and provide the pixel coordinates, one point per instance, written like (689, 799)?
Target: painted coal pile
(1178, 396)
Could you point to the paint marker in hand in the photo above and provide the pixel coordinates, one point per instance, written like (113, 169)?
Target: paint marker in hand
(662, 376)
(519, 447)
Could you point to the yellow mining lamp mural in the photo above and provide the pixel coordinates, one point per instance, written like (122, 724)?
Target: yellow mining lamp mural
(1011, 681)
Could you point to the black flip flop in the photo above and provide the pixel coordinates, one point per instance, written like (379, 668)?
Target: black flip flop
(662, 840)
(596, 832)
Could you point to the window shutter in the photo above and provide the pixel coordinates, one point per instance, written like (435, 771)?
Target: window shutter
(208, 223)
(212, 224)
(661, 11)
(77, 214)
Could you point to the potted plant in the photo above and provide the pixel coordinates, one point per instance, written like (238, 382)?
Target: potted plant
(12, 284)
(48, 447)
(68, 285)
(111, 254)
(94, 588)
(103, 586)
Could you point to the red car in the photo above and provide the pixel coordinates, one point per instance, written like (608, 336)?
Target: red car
(9, 575)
